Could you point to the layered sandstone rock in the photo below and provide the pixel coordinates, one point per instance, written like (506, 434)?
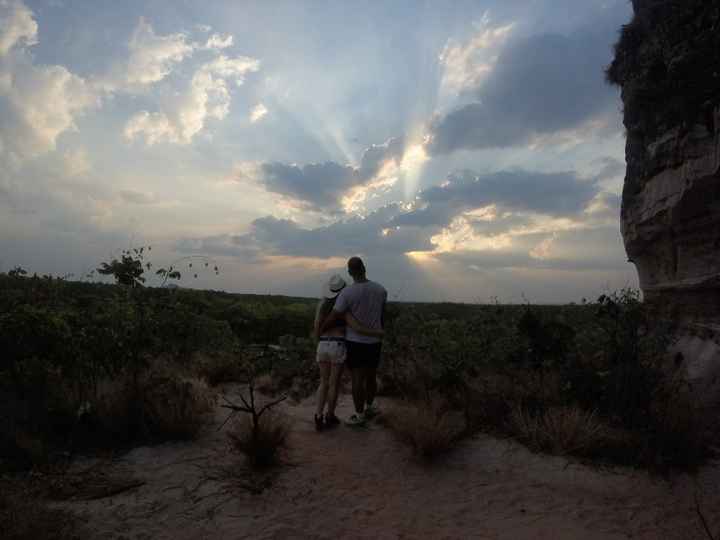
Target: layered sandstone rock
(668, 66)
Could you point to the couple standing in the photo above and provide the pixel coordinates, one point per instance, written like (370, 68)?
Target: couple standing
(349, 328)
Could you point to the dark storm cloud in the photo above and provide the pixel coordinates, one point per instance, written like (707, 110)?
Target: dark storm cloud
(321, 186)
(540, 85)
(545, 193)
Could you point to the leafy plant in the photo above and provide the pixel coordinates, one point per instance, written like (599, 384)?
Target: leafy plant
(129, 269)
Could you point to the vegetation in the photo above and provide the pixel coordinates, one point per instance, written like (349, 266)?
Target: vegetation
(429, 429)
(87, 365)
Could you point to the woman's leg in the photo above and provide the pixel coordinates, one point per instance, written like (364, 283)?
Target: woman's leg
(322, 391)
(336, 371)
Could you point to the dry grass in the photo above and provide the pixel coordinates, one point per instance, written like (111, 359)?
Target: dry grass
(165, 406)
(431, 430)
(218, 369)
(178, 407)
(261, 445)
(565, 431)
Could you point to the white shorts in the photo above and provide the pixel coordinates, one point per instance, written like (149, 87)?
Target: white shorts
(331, 351)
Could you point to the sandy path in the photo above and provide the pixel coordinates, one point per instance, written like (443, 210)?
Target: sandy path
(357, 484)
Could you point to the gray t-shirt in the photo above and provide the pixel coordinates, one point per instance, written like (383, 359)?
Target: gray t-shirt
(365, 301)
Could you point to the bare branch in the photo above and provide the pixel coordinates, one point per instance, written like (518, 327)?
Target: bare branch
(237, 408)
(271, 404)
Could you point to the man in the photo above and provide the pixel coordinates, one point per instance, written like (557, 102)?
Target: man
(365, 300)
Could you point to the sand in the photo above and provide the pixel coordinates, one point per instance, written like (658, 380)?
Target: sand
(361, 484)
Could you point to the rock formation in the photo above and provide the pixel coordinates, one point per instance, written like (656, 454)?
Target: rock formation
(667, 63)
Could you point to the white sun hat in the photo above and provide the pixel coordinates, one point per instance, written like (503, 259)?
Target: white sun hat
(333, 286)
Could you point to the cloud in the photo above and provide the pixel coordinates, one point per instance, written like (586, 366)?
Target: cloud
(76, 162)
(562, 193)
(17, 26)
(38, 104)
(270, 236)
(152, 57)
(587, 249)
(538, 85)
(217, 42)
(467, 65)
(207, 96)
(136, 197)
(258, 112)
(325, 186)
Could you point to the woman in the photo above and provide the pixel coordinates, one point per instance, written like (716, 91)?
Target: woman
(331, 351)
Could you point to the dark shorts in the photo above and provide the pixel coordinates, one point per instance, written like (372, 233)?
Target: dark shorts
(362, 355)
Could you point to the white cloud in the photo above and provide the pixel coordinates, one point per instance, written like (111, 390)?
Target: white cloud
(16, 25)
(207, 96)
(152, 56)
(154, 126)
(76, 162)
(131, 196)
(228, 68)
(258, 112)
(467, 64)
(37, 104)
(216, 41)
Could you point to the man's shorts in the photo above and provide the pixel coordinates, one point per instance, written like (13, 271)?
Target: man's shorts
(363, 355)
(332, 351)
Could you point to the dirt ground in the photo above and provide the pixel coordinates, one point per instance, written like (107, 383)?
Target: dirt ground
(361, 484)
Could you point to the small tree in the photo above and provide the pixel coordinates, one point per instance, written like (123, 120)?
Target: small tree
(129, 269)
(258, 440)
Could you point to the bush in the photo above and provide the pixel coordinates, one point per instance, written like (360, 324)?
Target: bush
(177, 407)
(565, 431)
(161, 407)
(261, 443)
(217, 369)
(431, 430)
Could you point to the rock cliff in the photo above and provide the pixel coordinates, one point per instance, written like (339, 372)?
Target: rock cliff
(667, 62)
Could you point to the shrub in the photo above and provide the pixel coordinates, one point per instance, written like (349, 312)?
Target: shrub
(260, 442)
(431, 430)
(217, 369)
(564, 431)
(161, 407)
(177, 407)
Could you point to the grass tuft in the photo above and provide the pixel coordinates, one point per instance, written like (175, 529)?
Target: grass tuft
(260, 445)
(430, 430)
(564, 431)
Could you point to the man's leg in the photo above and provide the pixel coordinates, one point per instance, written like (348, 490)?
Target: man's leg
(370, 385)
(373, 361)
(358, 388)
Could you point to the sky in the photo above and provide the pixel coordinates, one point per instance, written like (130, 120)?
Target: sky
(468, 150)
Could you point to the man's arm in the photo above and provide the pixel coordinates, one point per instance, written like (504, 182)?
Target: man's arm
(360, 328)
